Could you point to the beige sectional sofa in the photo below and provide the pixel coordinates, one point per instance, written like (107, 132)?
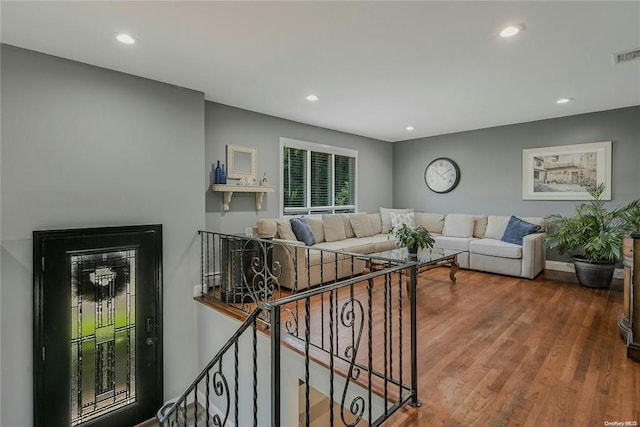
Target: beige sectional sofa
(477, 236)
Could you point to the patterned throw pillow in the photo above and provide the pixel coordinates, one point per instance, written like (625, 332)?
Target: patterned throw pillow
(397, 219)
(385, 217)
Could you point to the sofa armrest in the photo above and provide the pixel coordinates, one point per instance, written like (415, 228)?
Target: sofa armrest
(533, 254)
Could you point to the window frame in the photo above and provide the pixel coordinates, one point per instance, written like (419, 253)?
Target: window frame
(321, 148)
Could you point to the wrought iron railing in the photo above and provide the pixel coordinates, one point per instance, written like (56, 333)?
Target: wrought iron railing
(355, 331)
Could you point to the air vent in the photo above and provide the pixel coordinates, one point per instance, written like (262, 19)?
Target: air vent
(629, 55)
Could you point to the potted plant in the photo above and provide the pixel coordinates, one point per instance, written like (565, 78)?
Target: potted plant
(413, 239)
(593, 237)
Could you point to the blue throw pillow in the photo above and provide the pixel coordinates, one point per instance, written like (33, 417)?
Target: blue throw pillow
(517, 229)
(302, 230)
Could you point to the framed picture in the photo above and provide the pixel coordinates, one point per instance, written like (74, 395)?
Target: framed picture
(565, 172)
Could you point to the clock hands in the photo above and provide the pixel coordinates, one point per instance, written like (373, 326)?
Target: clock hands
(442, 175)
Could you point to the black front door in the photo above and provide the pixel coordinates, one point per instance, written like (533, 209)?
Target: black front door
(97, 326)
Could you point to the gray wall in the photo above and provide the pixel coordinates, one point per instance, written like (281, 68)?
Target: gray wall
(229, 125)
(82, 147)
(490, 161)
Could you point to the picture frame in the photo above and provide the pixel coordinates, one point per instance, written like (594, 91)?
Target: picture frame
(564, 172)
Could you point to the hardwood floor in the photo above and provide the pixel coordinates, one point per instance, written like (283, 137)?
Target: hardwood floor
(501, 351)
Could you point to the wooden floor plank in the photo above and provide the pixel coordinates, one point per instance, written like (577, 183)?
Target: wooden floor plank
(502, 351)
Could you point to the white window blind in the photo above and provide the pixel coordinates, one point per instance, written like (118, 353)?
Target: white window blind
(317, 178)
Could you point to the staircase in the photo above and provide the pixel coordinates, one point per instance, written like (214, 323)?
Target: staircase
(352, 345)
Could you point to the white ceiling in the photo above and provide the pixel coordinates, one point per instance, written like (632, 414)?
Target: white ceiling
(376, 66)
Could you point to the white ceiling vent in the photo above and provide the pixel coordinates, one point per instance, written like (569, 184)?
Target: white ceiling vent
(626, 56)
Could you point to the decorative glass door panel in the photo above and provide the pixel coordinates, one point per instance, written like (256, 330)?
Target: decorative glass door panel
(103, 287)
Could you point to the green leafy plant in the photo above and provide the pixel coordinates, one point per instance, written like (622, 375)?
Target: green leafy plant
(342, 197)
(593, 232)
(418, 237)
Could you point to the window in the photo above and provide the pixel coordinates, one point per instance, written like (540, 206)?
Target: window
(317, 178)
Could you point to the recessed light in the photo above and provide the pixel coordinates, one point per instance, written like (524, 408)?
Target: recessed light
(311, 98)
(564, 100)
(125, 38)
(511, 30)
(409, 128)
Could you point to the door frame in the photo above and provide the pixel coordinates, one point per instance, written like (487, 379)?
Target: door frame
(39, 238)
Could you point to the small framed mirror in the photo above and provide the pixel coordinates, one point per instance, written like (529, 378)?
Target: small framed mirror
(241, 162)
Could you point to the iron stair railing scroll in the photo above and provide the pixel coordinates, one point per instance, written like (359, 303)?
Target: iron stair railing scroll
(335, 325)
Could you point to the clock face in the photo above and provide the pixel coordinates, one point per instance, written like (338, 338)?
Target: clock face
(442, 175)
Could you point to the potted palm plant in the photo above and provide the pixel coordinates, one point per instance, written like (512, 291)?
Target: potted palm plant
(593, 237)
(413, 239)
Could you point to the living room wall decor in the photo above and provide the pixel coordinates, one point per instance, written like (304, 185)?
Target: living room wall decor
(564, 172)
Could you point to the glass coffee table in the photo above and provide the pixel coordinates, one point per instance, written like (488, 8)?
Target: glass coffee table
(426, 260)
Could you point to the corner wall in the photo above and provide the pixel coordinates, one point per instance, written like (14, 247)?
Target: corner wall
(228, 125)
(86, 147)
(490, 161)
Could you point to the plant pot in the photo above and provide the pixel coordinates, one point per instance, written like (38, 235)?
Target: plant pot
(592, 274)
(413, 250)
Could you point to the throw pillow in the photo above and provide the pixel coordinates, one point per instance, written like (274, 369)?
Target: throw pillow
(386, 219)
(517, 229)
(317, 228)
(333, 228)
(458, 225)
(348, 229)
(284, 230)
(303, 232)
(480, 226)
(397, 219)
(496, 226)
(376, 223)
(361, 225)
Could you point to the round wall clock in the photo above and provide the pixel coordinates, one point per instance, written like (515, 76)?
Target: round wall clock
(442, 175)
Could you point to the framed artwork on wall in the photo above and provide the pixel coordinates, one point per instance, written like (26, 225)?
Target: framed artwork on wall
(564, 172)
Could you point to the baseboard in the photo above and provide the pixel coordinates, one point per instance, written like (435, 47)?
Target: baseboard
(569, 268)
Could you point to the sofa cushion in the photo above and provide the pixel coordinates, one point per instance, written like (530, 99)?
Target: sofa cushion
(348, 228)
(333, 228)
(303, 232)
(455, 243)
(386, 219)
(314, 257)
(400, 219)
(284, 230)
(376, 222)
(517, 229)
(496, 226)
(267, 227)
(361, 225)
(497, 248)
(458, 225)
(317, 228)
(434, 222)
(359, 246)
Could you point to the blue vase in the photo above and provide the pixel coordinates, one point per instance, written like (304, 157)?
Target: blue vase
(218, 174)
(212, 174)
(223, 175)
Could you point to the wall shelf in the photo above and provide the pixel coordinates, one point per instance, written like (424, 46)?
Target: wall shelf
(229, 189)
